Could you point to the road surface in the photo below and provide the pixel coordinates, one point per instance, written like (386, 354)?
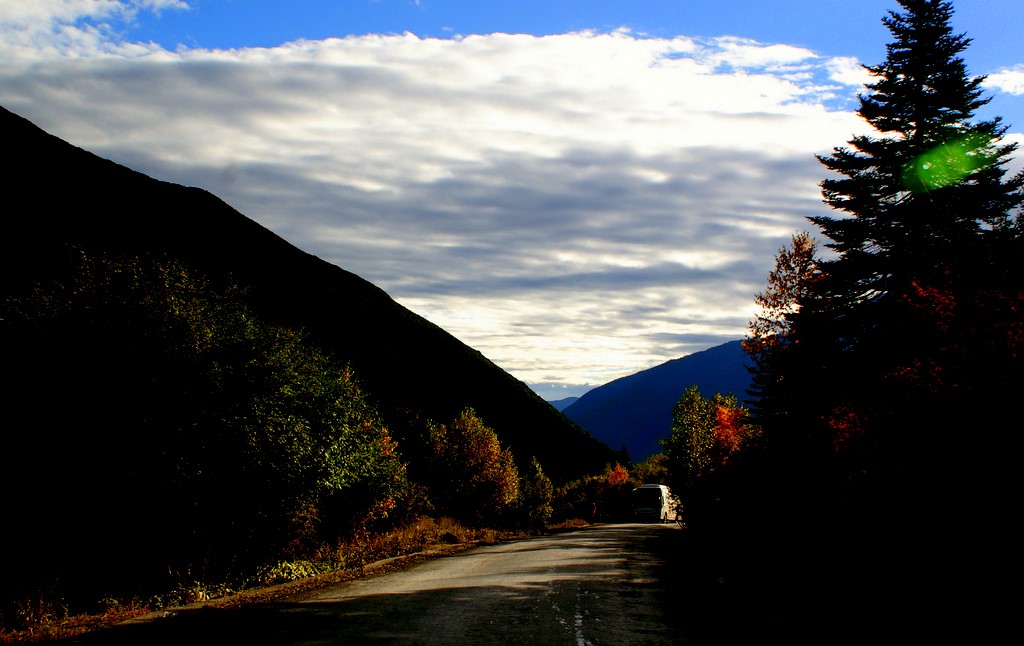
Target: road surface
(608, 584)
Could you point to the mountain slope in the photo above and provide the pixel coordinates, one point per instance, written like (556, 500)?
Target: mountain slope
(636, 411)
(562, 404)
(410, 367)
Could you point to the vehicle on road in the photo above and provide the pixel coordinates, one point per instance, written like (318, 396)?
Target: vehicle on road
(654, 502)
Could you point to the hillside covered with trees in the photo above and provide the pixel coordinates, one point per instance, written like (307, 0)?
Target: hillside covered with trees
(410, 367)
(199, 399)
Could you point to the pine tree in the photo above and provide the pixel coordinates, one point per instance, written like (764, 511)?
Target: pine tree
(922, 197)
(928, 222)
(882, 401)
(906, 349)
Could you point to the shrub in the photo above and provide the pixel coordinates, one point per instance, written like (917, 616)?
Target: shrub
(472, 478)
(535, 495)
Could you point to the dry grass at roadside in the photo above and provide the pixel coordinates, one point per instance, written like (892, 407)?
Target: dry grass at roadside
(572, 523)
(366, 555)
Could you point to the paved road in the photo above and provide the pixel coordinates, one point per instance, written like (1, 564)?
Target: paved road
(601, 585)
(598, 586)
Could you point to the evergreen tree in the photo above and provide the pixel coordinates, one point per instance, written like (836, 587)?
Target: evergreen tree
(929, 185)
(535, 495)
(879, 416)
(924, 243)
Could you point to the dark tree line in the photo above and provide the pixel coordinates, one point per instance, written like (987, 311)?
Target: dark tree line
(887, 369)
(170, 437)
(907, 338)
(911, 324)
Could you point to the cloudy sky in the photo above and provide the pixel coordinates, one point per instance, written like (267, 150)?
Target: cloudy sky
(578, 189)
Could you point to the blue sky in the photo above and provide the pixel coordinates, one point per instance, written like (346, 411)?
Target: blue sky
(829, 27)
(579, 190)
(841, 26)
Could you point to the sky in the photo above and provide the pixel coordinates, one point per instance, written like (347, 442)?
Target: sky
(578, 190)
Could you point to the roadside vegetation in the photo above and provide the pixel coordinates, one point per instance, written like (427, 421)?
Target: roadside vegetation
(45, 618)
(607, 497)
(196, 450)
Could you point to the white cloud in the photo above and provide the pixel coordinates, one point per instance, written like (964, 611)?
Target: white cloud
(848, 71)
(40, 14)
(1010, 81)
(576, 207)
(745, 53)
(71, 28)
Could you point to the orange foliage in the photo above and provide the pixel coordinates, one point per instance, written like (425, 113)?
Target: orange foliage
(789, 284)
(729, 429)
(475, 477)
(968, 328)
(844, 424)
(618, 475)
(850, 425)
(940, 302)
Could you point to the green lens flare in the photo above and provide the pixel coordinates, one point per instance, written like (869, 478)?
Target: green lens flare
(947, 164)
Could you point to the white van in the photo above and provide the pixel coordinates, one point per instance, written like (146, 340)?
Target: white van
(653, 502)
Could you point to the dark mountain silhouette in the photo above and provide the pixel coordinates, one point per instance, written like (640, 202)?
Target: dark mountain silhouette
(411, 368)
(636, 411)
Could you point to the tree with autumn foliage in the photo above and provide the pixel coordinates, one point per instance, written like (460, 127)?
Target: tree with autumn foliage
(615, 496)
(473, 478)
(769, 334)
(604, 497)
(708, 457)
(707, 432)
(789, 284)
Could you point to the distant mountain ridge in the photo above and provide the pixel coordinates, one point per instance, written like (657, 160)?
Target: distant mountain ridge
(636, 411)
(562, 404)
(412, 369)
